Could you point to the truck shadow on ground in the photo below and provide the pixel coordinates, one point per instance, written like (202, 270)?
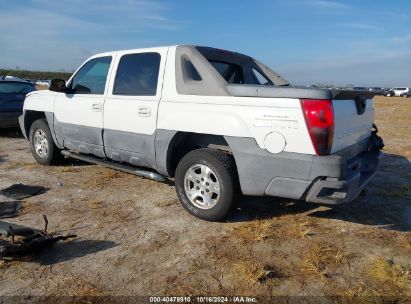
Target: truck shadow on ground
(11, 133)
(386, 204)
(66, 251)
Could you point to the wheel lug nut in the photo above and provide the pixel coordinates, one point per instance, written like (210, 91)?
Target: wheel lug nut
(198, 188)
(207, 184)
(198, 182)
(202, 192)
(207, 190)
(202, 179)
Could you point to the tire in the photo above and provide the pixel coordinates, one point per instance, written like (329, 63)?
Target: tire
(211, 177)
(42, 146)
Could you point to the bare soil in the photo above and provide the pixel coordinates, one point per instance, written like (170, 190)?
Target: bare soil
(135, 239)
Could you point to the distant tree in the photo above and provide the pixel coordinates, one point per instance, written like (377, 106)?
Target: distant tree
(35, 75)
(324, 85)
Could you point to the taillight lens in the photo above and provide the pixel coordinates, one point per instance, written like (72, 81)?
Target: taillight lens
(319, 116)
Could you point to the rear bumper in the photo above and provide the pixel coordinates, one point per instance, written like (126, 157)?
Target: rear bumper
(9, 119)
(330, 179)
(360, 170)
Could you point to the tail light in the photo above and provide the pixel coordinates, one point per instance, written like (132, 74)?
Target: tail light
(319, 116)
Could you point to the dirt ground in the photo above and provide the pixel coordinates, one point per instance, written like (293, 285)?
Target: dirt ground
(135, 239)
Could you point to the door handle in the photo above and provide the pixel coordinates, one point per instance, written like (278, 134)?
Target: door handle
(97, 107)
(144, 111)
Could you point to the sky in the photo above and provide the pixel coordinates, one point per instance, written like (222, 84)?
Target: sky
(359, 42)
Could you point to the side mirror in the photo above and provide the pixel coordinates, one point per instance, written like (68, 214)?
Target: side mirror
(57, 85)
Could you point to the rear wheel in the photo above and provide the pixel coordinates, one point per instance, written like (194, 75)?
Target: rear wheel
(42, 146)
(206, 183)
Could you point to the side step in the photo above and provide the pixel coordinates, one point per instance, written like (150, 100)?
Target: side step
(116, 166)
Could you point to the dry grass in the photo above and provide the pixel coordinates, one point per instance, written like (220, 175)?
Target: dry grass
(394, 135)
(405, 242)
(358, 293)
(109, 211)
(94, 203)
(252, 273)
(14, 165)
(69, 169)
(320, 258)
(389, 278)
(303, 230)
(255, 231)
(32, 207)
(191, 286)
(167, 202)
(293, 226)
(102, 178)
(88, 290)
(282, 228)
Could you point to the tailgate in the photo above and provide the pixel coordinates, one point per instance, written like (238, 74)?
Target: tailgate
(353, 118)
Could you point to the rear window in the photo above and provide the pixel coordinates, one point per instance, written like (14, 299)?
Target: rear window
(137, 74)
(231, 72)
(260, 78)
(16, 88)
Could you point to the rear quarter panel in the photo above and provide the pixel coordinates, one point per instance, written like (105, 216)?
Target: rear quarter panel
(239, 117)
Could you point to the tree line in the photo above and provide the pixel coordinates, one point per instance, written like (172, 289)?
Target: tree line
(35, 75)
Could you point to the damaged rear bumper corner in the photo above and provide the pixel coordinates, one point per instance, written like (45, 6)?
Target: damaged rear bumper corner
(360, 171)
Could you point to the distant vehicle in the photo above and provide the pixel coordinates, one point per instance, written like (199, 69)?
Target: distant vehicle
(12, 95)
(399, 92)
(43, 82)
(359, 88)
(377, 90)
(8, 77)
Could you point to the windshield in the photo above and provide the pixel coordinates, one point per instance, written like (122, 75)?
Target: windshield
(15, 88)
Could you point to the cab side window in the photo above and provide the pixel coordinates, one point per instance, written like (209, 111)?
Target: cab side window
(92, 77)
(137, 74)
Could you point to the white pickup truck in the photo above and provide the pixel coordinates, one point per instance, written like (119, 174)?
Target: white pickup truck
(219, 122)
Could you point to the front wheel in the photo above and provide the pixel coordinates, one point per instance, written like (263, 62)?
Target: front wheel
(206, 183)
(42, 146)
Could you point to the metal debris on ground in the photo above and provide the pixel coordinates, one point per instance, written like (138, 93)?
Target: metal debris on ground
(20, 241)
(21, 191)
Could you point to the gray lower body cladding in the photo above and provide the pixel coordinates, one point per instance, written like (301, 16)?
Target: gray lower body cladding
(141, 150)
(133, 148)
(330, 179)
(136, 149)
